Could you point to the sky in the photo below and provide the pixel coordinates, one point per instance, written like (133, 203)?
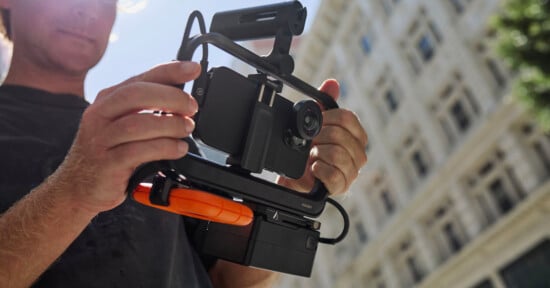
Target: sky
(150, 32)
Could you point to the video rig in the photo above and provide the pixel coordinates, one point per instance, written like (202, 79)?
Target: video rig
(247, 220)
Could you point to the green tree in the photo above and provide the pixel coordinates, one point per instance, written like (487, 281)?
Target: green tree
(523, 29)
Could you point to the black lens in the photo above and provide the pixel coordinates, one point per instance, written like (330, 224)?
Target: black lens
(311, 122)
(308, 119)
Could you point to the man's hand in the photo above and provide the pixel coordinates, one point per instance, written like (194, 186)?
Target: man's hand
(115, 137)
(337, 155)
(338, 151)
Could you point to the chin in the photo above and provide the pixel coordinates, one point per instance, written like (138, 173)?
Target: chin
(77, 65)
(77, 58)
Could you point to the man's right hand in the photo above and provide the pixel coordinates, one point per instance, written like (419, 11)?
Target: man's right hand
(114, 138)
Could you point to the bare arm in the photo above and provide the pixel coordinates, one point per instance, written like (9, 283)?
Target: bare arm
(227, 274)
(113, 139)
(35, 231)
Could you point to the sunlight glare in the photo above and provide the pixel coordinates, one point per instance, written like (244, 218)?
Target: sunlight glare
(132, 6)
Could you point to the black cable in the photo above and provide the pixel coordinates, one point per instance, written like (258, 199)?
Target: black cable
(345, 231)
(202, 27)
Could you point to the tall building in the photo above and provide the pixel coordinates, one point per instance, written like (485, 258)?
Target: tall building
(456, 192)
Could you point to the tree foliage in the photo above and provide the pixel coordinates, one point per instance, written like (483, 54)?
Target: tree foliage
(523, 29)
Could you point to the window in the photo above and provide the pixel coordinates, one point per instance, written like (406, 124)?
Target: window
(484, 284)
(419, 164)
(426, 48)
(445, 230)
(459, 5)
(391, 101)
(456, 109)
(500, 196)
(452, 238)
(366, 44)
(388, 202)
(373, 279)
(492, 69)
(414, 269)
(382, 198)
(539, 146)
(415, 158)
(421, 42)
(460, 117)
(361, 232)
(358, 235)
(529, 270)
(495, 187)
(387, 96)
(408, 265)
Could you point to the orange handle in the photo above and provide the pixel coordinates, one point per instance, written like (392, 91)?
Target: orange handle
(199, 204)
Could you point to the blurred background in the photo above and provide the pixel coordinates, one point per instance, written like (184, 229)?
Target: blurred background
(455, 97)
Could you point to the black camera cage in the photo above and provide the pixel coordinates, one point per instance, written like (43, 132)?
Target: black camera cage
(225, 180)
(280, 213)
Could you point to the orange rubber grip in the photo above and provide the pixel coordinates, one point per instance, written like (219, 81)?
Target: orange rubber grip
(199, 204)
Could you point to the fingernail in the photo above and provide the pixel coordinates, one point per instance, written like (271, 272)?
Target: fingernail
(182, 147)
(190, 126)
(190, 67)
(193, 106)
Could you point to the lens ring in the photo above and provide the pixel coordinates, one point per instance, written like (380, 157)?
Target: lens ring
(308, 119)
(310, 123)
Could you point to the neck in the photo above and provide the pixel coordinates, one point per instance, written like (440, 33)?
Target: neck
(25, 73)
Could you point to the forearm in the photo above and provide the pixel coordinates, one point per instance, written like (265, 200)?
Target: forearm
(36, 231)
(227, 274)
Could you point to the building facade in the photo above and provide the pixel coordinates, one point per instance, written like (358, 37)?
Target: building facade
(456, 192)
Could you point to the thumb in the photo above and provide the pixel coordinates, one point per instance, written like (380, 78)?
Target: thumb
(331, 87)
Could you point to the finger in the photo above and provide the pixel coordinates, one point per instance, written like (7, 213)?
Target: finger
(146, 96)
(139, 127)
(304, 184)
(134, 154)
(172, 73)
(331, 87)
(332, 177)
(347, 120)
(338, 136)
(339, 158)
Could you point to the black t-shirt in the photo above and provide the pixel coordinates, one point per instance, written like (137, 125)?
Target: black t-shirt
(130, 246)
